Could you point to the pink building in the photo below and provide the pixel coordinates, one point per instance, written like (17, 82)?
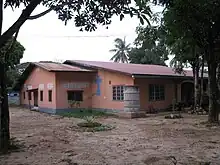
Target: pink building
(105, 86)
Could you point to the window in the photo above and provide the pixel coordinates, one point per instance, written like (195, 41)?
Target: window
(24, 95)
(118, 93)
(156, 92)
(75, 95)
(50, 95)
(41, 96)
(29, 95)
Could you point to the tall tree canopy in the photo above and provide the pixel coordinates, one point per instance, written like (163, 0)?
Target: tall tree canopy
(150, 46)
(86, 14)
(198, 21)
(121, 51)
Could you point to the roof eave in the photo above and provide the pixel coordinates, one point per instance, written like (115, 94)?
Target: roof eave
(160, 76)
(163, 76)
(94, 67)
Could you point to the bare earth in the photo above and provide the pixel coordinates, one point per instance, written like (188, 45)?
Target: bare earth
(51, 139)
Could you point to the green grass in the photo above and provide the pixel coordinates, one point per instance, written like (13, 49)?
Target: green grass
(84, 113)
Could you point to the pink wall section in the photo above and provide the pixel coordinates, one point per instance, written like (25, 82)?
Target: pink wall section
(105, 99)
(73, 77)
(144, 93)
(40, 76)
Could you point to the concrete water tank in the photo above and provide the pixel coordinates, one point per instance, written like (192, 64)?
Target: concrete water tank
(131, 99)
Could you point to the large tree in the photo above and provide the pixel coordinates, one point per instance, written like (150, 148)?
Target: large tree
(150, 46)
(199, 21)
(10, 56)
(120, 51)
(85, 13)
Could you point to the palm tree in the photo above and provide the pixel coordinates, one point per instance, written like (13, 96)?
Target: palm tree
(121, 51)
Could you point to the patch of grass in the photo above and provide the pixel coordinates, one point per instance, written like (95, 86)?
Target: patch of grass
(15, 146)
(83, 113)
(90, 125)
(101, 127)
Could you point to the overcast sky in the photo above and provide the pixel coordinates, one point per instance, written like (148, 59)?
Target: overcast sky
(47, 38)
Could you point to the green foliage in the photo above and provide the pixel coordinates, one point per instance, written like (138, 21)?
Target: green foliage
(104, 127)
(194, 20)
(14, 53)
(87, 14)
(91, 125)
(12, 76)
(74, 103)
(10, 55)
(150, 46)
(121, 51)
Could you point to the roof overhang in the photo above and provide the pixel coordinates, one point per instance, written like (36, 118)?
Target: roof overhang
(162, 76)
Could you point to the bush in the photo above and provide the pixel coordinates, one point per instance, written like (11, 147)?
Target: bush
(174, 116)
(91, 125)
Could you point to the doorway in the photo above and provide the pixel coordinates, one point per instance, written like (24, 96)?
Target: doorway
(187, 93)
(35, 98)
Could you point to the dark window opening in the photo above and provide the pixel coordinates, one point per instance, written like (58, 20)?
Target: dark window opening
(41, 96)
(50, 95)
(75, 95)
(156, 92)
(29, 95)
(24, 95)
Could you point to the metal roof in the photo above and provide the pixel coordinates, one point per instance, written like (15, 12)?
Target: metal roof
(132, 69)
(50, 67)
(57, 67)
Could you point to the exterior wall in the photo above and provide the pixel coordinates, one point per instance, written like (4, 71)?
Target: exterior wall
(63, 78)
(108, 79)
(37, 77)
(144, 93)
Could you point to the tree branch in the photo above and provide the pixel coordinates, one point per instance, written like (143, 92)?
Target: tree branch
(48, 10)
(20, 21)
(40, 15)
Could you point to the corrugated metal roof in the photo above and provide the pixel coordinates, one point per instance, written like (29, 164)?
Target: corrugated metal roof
(60, 67)
(133, 69)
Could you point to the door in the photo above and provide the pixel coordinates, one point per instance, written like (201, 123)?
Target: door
(36, 98)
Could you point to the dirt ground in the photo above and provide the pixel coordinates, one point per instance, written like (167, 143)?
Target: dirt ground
(50, 140)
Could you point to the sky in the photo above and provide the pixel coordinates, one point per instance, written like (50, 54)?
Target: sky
(48, 39)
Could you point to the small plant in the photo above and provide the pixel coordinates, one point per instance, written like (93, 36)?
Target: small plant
(89, 119)
(89, 122)
(173, 116)
(104, 128)
(74, 103)
(90, 125)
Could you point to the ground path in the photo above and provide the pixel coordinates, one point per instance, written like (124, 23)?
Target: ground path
(53, 140)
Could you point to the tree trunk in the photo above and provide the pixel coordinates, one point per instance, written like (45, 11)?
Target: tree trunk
(213, 91)
(4, 112)
(202, 83)
(196, 86)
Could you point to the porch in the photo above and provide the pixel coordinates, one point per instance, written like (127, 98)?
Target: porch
(158, 94)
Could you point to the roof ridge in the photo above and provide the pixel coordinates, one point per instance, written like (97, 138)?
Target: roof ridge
(119, 63)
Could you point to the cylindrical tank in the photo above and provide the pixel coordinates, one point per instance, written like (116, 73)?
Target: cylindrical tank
(131, 99)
